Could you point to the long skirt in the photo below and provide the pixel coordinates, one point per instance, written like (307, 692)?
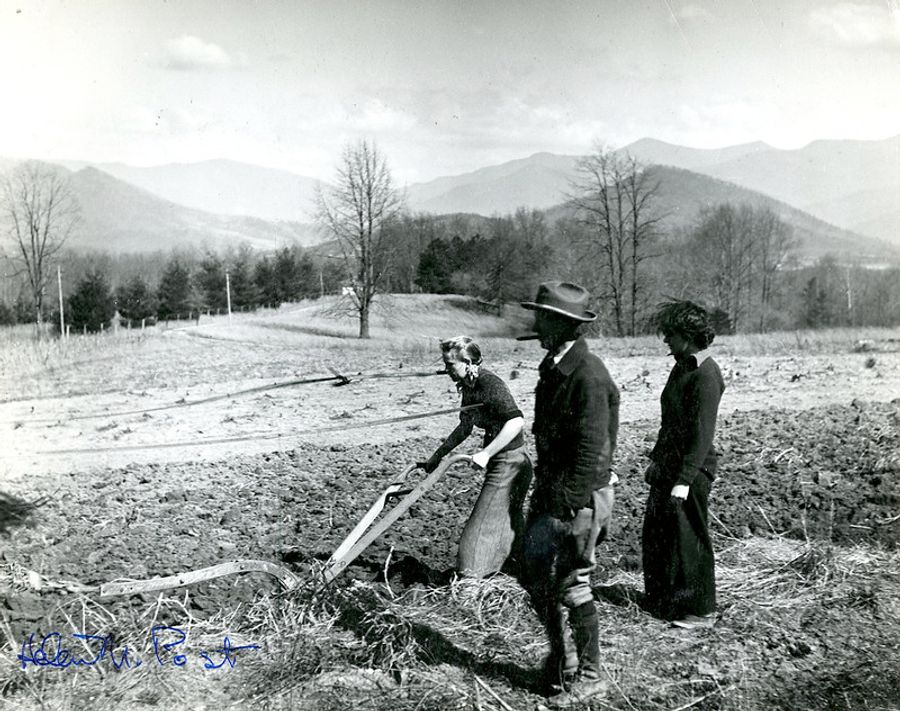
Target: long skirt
(497, 522)
(679, 565)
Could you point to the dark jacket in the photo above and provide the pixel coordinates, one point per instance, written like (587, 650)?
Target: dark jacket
(576, 422)
(690, 405)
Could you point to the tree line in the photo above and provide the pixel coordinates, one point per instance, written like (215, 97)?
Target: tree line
(99, 286)
(609, 234)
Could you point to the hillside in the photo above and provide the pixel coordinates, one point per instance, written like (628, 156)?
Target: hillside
(887, 225)
(649, 150)
(853, 184)
(539, 181)
(683, 194)
(823, 170)
(222, 187)
(871, 212)
(119, 217)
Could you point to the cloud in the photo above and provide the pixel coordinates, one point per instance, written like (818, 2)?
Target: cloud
(693, 12)
(189, 53)
(858, 25)
(374, 115)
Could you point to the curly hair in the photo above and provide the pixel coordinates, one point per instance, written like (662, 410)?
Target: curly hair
(463, 349)
(687, 318)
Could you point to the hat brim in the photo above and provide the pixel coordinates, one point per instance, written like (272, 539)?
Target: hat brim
(586, 317)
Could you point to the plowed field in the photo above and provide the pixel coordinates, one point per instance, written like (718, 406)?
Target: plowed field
(147, 456)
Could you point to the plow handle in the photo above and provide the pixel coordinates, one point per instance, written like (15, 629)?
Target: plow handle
(338, 565)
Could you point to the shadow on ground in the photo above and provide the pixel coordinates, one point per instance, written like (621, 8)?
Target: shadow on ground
(15, 511)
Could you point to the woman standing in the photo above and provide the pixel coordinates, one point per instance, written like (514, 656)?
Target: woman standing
(679, 566)
(496, 522)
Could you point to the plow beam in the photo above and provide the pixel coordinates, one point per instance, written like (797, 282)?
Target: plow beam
(134, 587)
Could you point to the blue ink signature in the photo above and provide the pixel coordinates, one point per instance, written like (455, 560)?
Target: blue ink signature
(51, 651)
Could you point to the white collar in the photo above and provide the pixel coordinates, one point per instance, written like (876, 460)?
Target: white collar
(701, 356)
(562, 351)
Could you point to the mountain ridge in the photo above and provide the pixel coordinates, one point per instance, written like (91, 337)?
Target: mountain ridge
(541, 180)
(120, 217)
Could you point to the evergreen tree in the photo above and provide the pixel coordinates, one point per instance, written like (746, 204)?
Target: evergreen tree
(135, 300)
(174, 292)
(210, 278)
(244, 293)
(92, 306)
(435, 268)
(307, 276)
(266, 285)
(286, 277)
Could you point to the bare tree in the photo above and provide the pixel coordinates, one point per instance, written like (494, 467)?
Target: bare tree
(724, 248)
(772, 240)
(737, 251)
(613, 196)
(357, 211)
(641, 189)
(40, 212)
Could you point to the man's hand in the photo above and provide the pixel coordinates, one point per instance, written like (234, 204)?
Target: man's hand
(680, 491)
(565, 513)
(481, 459)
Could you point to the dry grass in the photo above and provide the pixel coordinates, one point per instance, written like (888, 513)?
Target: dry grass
(474, 644)
(402, 327)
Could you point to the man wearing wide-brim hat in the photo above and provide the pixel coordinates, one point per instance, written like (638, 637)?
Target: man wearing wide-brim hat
(576, 420)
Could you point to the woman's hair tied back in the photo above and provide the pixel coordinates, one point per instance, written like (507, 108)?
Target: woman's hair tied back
(462, 348)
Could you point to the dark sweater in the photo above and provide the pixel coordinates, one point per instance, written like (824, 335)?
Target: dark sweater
(576, 422)
(496, 407)
(690, 405)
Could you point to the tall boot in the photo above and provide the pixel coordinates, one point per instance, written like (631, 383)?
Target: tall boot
(586, 629)
(561, 665)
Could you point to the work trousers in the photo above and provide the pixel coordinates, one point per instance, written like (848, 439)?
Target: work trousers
(679, 565)
(559, 558)
(495, 527)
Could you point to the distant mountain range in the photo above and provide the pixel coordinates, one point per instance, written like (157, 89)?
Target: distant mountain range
(852, 184)
(222, 187)
(119, 217)
(838, 195)
(683, 194)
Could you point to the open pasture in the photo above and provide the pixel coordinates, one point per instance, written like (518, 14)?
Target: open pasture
(157, 452)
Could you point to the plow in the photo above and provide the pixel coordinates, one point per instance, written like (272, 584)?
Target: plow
(400, 494)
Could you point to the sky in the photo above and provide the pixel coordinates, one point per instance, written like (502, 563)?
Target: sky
(441, 87)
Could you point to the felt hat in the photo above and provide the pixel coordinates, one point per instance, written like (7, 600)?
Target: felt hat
(563, 298)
